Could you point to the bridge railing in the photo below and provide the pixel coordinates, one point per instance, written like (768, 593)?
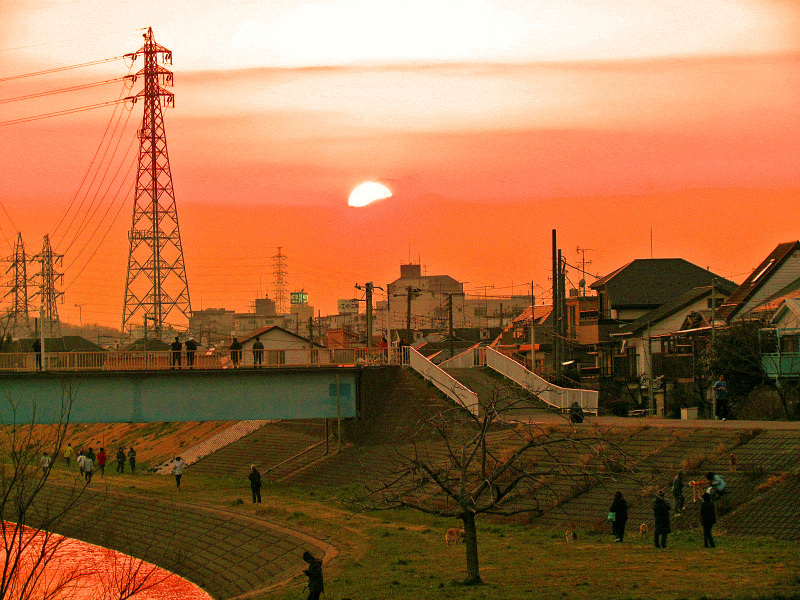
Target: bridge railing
(146, 360)
(447, 384)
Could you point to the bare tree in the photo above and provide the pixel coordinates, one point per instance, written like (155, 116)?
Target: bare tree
(461, 465)
(28, 521)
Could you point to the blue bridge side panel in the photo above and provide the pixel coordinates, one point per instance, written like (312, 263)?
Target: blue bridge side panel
(140, 397)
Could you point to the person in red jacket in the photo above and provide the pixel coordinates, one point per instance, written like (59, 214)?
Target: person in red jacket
(101, 461)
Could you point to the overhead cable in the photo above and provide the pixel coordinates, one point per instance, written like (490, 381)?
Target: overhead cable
(60, 112)
(59, 69)
(73, 88)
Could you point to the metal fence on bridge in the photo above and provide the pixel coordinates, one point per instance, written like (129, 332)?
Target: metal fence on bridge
(141, 360)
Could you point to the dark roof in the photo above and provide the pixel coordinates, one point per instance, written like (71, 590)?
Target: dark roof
(724, 287)
(651, 282)
(263, 330)
(758, 279)
(68, 343)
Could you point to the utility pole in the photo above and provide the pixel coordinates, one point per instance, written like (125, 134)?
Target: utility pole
(533, 329)
(411, 293)
(556, 307)
(80, 314)
(450, 322)
(584, 262)
(368, 287)
(156, 283)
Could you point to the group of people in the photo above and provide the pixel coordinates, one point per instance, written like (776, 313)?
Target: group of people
(88, 462)
(177, 348)
(237, 352)
(618, 511)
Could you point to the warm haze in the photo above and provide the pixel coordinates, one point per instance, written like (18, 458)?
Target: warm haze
(490, 122)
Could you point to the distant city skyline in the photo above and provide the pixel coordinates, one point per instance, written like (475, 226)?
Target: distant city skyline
(491, 123)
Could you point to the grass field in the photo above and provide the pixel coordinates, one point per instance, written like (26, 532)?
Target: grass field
(402, 554)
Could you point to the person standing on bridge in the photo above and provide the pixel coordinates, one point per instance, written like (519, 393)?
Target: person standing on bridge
(191, 348)
(176, 352)
(177, 470)
(236, 353)
(37, 350)
(255, 483)
(258, 352)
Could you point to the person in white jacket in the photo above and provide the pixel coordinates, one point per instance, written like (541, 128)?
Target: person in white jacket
(177, 469)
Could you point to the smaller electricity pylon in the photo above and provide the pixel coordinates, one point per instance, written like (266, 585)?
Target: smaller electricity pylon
(46, 279)
(16, 320)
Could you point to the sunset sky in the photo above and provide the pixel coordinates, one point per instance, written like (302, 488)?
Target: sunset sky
(492, 122)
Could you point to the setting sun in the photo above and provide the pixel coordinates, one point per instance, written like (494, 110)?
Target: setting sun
(368, 192)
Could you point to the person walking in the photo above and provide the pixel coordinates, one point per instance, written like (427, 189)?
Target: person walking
(255, 484)
(620, 509)
(236, 353)
(45, 462)
(258, 352)
(177, 469)
(661, 510)
(68, 452)
(721, 396)
(677, 492)
(88, 466)
(176, 347)
(314, 573)
(101, 461)
(708, 517)
(81, 460)
(191, 348)
(120, 460)
(132, 460)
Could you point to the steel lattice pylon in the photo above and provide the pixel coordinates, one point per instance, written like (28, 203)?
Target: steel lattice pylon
(156, 288)
(47, 278)
(17, 319)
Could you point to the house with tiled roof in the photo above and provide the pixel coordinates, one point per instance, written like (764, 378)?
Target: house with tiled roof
(645, 284)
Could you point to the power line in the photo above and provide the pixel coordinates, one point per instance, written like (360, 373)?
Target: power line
(73, 88)
(59, 113)
(59, 69)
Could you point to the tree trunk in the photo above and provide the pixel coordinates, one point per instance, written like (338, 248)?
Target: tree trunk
(471, 542)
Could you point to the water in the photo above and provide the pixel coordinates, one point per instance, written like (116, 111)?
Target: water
(90, 572)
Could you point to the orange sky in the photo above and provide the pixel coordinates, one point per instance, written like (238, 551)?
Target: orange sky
(491, 122)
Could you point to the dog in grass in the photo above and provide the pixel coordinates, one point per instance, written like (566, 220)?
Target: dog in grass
(644, 529)
(454, 536)
(732, 462)
(571, 536)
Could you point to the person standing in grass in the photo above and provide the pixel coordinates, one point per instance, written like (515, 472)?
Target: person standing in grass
(81, 460)
(255, 484)
(314, 573)
(620, 509)
(708, 517)
(132, 459)
(177, 469)
(661, 510)
(88, 466)
(101, 461)
(677, 492)
(120, 460)
(45, 462)
(68, 452)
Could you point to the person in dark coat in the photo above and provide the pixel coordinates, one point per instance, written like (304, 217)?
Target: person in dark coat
(132, 459)
(37, 351)
(255, 484)
(176, 352)
(576, 413)
(120, 460)
(258, 352)
(661, 510)
(708, 517)
(191, 348)
(236, 352)
(620, 509)
(314, 574)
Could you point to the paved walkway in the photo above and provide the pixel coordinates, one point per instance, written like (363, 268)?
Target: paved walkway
(542, 416)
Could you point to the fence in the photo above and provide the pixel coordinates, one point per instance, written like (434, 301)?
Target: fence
(140, 360)
(549, 393)
(446, 384)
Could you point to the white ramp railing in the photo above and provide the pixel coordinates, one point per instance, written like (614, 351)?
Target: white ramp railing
(447, 384)
(551, 394)
(466, 360)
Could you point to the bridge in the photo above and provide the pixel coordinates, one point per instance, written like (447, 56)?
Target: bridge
(292, 383)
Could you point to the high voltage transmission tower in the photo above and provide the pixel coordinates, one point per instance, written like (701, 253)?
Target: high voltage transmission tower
(16, 322)
(156, 288)
(280, 286)
(46, 279)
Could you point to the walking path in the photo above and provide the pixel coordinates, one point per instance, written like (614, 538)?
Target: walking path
(543, 416)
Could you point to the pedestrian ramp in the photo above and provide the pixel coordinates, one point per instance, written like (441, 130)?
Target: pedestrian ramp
(210, 445)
